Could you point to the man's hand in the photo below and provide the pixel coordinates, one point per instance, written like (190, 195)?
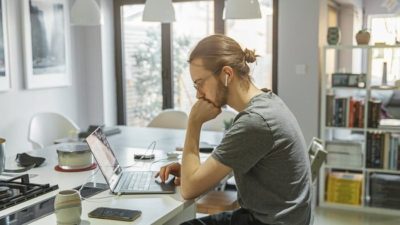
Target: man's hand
(203, 111)
(174, 169)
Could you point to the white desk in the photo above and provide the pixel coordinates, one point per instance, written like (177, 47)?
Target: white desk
(156, 209)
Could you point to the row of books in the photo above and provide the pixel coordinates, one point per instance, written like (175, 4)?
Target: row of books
(383, 150)
(344, 153)
(344, 112)
(374, 112)
(385, 190)
(349, 112)
(344, 188)
(389, 124)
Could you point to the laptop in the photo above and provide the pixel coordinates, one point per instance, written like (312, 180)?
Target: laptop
(120, 181)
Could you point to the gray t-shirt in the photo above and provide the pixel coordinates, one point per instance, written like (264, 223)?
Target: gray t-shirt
(267, 152)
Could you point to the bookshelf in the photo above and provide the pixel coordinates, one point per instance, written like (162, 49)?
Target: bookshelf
(362, 171)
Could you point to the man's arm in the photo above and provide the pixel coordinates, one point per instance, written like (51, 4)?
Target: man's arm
(197, 178)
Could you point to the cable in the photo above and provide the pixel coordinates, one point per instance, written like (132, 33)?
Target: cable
(153, 143)
(87, 179)
(83, 185)
(151, 147)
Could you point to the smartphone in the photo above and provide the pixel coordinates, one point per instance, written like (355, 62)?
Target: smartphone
(115, 214)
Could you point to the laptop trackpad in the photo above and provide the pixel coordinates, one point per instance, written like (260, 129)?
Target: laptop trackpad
(168, 185)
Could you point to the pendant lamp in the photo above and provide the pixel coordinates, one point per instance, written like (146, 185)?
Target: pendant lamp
(85, 13)
(159, 11)
(242, 9)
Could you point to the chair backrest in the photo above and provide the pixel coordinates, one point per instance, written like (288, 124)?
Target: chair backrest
(317, 155)
(170, 118)
(218, 123)
(46, 127)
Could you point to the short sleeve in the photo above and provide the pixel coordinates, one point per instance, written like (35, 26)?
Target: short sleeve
(248, 141)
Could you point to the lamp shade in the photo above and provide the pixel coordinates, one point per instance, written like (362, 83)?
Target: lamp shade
(85, 13)
(242, 9)
(159, 11)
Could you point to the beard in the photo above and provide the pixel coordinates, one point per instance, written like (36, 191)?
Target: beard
(222, 95)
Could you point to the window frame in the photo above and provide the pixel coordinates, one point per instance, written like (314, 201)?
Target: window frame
(166, 54)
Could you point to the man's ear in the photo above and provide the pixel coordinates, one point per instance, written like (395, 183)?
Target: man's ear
(227, 72)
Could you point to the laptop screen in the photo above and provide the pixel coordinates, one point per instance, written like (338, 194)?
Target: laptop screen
(103, 154)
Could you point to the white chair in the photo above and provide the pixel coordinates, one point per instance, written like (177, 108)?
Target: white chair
(218, 123)
(317, 155)
(46, 127)
(170, 118)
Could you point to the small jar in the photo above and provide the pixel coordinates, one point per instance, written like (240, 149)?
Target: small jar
(68, 207)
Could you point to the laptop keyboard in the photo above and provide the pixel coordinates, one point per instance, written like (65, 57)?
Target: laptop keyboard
(136, 180)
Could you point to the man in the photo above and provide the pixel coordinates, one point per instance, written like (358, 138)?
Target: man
(264, 148)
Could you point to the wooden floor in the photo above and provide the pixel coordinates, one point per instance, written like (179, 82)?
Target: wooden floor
(324, 216)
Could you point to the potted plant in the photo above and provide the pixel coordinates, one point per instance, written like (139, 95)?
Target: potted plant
(363, 37)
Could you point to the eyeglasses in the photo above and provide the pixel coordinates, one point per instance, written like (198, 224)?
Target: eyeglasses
(199, 82)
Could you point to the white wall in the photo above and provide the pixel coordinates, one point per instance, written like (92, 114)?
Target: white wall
(92, 86)
(19, 104)
(350, 22)
(95, 53)
(83, 101)
(300, 35)
(108, 63)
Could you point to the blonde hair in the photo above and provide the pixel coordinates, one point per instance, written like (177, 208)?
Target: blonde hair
(218, 51)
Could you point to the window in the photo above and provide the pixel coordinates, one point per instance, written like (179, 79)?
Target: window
(194, 21)
(385, 29)
(151, 58)
(256, 34)
(142, 66)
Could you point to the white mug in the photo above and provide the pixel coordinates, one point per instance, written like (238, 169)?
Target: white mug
(68, 207)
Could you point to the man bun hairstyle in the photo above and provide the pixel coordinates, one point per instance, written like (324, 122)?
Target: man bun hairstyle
(219, 50)
(250, 55)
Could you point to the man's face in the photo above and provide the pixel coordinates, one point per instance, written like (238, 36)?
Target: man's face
(209, 86)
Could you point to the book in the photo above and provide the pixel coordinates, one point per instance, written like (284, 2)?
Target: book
(385, 190)
(374, 111)
(344, 188)
(344, 153)
(330, 100)
(389, 123)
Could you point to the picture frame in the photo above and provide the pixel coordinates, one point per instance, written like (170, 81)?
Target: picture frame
(46, 43)
(353, 80)
(340, 80)
(5, 80)
(348, 80)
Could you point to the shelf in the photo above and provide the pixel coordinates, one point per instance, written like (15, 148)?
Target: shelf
(346, 88)
(340, 110)
(382, 170)
(366, 208)
(391, 130)
(347, 128)
(343, 168)
(341, 47)
(341, 206)
(383, 88)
